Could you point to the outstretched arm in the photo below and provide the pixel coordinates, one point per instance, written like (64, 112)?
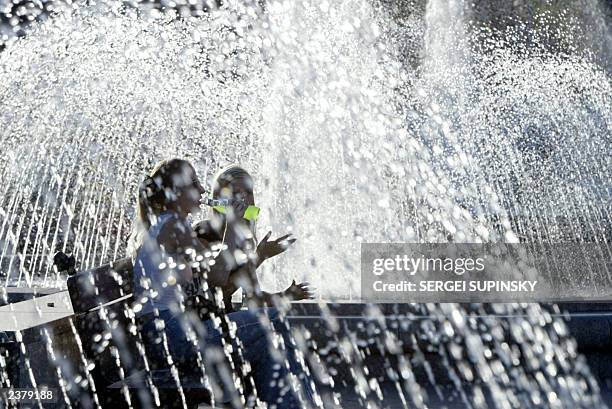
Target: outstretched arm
(268, 249)
(245, 276)
(250, 284)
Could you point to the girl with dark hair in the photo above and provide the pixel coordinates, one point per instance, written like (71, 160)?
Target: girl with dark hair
(165, 199)
(232, 226)
(231, 233)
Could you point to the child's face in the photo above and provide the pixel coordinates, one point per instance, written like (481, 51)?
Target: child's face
(241, 193)
(189, 191)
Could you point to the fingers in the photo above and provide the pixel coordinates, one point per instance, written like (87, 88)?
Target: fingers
(286, 243)
(240, 208)
(300, 291)
(308, 295)
(308, 292)
(303, 295)
(283, 238)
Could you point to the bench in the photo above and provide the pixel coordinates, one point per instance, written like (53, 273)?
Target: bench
(111, 342)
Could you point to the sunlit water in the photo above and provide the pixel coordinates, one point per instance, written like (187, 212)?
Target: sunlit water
(485, 140)
(346, 142)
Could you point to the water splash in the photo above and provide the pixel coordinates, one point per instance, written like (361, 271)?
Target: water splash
(348, 142)
(86, 104)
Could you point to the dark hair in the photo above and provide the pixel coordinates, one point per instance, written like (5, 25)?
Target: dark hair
(227, 176)
(153, 196)
(156, 190)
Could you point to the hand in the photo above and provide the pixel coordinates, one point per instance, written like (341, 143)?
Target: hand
(267, 249)
(239, 208)
(297, 292)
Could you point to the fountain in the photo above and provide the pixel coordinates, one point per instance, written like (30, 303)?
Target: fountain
(352, 138)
